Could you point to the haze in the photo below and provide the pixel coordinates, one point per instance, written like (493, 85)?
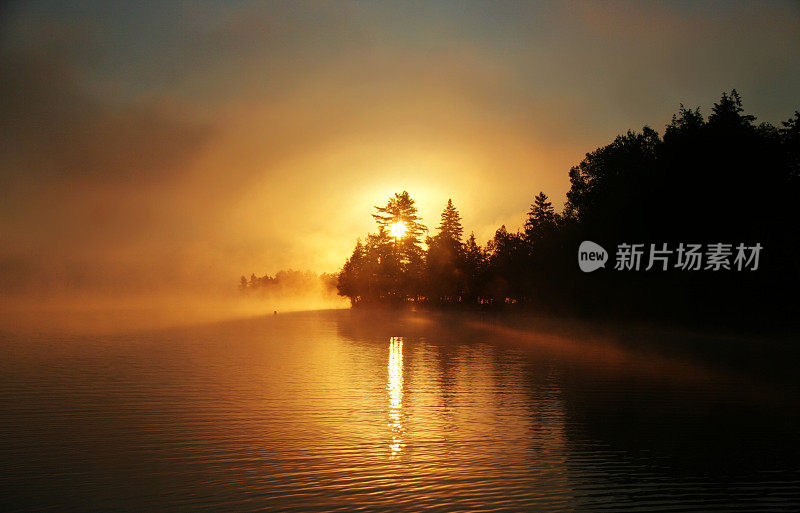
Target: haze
(166, 149)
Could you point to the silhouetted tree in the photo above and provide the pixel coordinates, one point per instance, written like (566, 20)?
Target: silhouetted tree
(506, 263)
(474, 271)
(444, 276)
(289, 283)
(407, 253)
(353, 279)
(790, 139)
(542, 242)
(450, 227)
(729, 113)
(387, 268)
(541, 219)
(401, 208)
(724, 179)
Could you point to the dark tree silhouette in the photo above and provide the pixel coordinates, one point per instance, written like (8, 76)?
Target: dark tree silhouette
(401, 208)
(474, 271)
(506, 263)
(387, 268)
(728, 113)
(790, 138)
(289, 283)
(444, 262)
(401, 257)
(721, 179)
(352, 279)
(541, 220)
(450, 227)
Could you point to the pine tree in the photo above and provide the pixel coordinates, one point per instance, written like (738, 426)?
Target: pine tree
(450, 226)
(474, 264)
(790, 138)
(401, 208)
(395, 263)
(444, 275)
(473, 254)
(686, 122)
(541, 217)
(728, 112)
(506, 263)
(352, 277)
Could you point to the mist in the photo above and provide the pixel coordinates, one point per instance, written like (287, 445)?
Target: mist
(149, 157)
(76, 313)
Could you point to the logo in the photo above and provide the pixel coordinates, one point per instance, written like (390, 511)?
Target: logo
(718, 256)
(591, 256)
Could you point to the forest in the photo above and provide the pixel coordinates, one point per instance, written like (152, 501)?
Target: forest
(708, 180)
(288, 282)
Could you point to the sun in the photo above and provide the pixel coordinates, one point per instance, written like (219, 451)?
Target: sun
(397, 229)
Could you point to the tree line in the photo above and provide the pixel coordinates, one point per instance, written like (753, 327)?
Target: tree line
(288, 281)
(724, 178)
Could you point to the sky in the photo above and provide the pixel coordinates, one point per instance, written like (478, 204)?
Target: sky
(178, 145)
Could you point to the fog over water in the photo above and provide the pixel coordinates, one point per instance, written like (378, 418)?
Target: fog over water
(105, 313)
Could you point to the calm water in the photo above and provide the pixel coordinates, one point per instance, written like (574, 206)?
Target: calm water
(351, 411)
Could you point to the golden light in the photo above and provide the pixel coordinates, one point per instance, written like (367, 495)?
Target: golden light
(397, 229)
(394, 387)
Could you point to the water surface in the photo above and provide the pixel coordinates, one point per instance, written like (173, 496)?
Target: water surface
(343, 410)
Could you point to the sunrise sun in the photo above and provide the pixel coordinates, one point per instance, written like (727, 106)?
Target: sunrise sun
(397, 229)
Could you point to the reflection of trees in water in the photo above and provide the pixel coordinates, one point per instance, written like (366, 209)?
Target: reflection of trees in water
(452, 399)
(581, 412)
(683, 435)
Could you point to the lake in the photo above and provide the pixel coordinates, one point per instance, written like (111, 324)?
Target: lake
(347, 410)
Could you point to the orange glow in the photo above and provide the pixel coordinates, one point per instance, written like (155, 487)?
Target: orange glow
(397, 229)
(395, 392)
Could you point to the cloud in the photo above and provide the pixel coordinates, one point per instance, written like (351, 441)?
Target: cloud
(55, 129)
(79, 171)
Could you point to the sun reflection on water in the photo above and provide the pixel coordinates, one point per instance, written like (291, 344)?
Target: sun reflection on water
(394, 388)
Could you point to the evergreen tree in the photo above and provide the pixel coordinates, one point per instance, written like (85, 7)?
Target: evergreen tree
(790, 139)
(387, 268)
(541, 218)
(450, 226)
(687, 123)
(725, 179)
(506, 263)
(401, 208)
(728, 112)
(474, 269)
(444, 259)
(353, 279)
(408, 248)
